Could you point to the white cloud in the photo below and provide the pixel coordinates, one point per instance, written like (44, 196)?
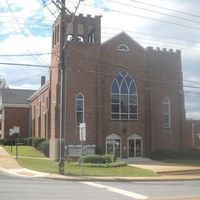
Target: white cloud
(14, 41)
(193, 115)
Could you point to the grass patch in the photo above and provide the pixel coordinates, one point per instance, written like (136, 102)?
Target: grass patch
(49, 166)
(41, 165)
(52, 167)
(184, 162)
(28, 151)
(125, 171)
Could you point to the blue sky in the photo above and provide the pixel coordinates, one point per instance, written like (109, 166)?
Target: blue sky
(25, 28)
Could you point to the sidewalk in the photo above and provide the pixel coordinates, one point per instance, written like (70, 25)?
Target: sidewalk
(164, 168)
(9, 165)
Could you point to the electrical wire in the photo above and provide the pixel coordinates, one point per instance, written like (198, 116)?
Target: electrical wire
(145, 17)
(24, 55)
(45, 5)
(165, 82)
(154, 35)
(165, 8)
(39, 59)
(24, 79)
(155, 11)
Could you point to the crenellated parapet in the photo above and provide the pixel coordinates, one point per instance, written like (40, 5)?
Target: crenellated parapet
(163, 50)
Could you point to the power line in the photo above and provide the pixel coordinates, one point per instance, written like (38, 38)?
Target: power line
(40, 60)
(192, 92)
(29, 19)
(160, 41)
(154, 11)
(24, 55)
(164, 8)
(156, 35)
(28, 65)
(24, 79)
(155, 44)
(148, 18)
(89, 58)
(45, 5)
(165, 81)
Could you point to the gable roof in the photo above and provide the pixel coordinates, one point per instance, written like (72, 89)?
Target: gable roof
(38, 92)
(15, 96)
(122, 34)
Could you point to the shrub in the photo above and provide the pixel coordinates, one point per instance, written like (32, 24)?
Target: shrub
(37, 141)
(110, 158)
(27, 141)
(100, 159)
(98, 151)
(7, 142)
(44, 147)
(176, 154)
(115, 164)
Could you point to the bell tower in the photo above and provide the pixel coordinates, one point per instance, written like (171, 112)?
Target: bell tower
(84, 29)
(78, 29)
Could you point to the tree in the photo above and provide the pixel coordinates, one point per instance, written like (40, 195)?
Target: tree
(3, 83)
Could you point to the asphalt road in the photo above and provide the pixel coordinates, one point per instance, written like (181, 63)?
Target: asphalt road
(17, 188)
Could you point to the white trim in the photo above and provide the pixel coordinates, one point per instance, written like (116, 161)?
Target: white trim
(120, 95)
(135, 137)
(122, 33)
(80, 93)
(124, 49)
(114, 137)
(166, 101)
(78, 145)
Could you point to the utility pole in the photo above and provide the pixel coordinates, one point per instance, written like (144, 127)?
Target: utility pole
(60, 4)
(193, 143)
(62, 90)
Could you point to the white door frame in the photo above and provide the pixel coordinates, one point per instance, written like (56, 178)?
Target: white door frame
(135, 137)
(114, 136)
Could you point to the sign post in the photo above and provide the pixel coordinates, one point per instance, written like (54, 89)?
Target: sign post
(16, 131)
(11, 133)
(82, 134)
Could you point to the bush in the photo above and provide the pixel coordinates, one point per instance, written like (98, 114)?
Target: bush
(98, 159)
(115, 164)
(27, 141)
(98, 151)
(44, 147)
(37, 141)
(176, 154)
(7, 142)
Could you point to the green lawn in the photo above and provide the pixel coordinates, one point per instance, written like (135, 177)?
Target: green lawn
(51, 167)
(24, 151)
(35, 162)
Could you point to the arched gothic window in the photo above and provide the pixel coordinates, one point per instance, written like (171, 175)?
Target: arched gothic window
(124, 97)
(79, 109)
(166, 113)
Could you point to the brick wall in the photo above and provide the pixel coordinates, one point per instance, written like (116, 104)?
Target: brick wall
(14, 116)
(91, 68)
(192, 134)
(165, 76)
(41, 115)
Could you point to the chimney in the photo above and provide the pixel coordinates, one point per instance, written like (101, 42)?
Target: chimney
(42, 80)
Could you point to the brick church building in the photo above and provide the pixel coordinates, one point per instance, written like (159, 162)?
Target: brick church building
(130, 97)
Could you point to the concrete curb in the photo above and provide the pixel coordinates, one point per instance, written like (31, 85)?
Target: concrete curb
(123, 179)
(23, 172)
